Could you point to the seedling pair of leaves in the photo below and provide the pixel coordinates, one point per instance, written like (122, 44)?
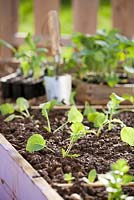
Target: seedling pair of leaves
(46, 108)
(21, 107)
(114, 180)
(91, 177)
(78, 130)
(101, 119)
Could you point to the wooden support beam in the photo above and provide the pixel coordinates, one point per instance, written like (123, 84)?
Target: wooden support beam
(8, 23)
(41, 9)
(85, 15)
(123, 16)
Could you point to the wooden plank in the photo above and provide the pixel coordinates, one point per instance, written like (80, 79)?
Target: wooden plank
(122, 16)
(8, 23)
(41, 9)
(99, 94)
(85, 15)
(20, 178)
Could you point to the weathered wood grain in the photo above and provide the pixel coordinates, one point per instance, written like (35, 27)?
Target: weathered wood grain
(18, 179)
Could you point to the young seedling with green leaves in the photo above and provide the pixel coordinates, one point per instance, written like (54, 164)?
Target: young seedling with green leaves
(21, 107)
(114, 180)
(68, 177)
(36, 142)
(74, 115)
(100, 119)
(78, 130)
(46, 108)
(31, 56)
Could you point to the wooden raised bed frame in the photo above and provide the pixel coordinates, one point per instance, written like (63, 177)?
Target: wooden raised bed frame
(98, 94)
(18, 179)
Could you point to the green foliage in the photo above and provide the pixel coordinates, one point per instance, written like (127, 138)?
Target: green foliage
(129, 98)
(88, 109)
(100, 119)
(92, 175)
(21, 107)
(127, 135)
(68, 177)
(72, 98)
(114, 180)
(74, 115)
(100, 55)
(31, 57)
(6, 109)
(46, 108)
(35, 143)
(97, 118)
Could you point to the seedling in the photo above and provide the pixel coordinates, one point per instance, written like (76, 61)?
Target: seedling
(30, 56)
(100, 120)
(78, 130)
(46, 107)
(114, 180)
(68, 177)
(74, 115)
(21, 107)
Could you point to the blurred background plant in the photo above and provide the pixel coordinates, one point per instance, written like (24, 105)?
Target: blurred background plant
(66, 16)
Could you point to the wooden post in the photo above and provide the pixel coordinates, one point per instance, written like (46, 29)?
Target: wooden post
(85, 15)
(123, 16)
(8, 23)
(41, 9)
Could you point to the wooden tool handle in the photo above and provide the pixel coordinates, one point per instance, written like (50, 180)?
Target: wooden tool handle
(54, 30)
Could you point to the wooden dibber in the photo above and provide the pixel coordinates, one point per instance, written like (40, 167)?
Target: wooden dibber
(54, 30)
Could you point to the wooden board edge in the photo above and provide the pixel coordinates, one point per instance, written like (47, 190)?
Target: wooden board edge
(33, 175)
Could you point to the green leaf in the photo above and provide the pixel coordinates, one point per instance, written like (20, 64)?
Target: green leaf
(127, 135)
(116, 98)
(7, 108)
(97, 118)
(22, 104)
(127, 179)
(68, 177)
(74, 115)
(78, 131)
(120, 165)
(72, 98)
(112, 79)
(10, 118)
(78, 127)
(6, 44)
(92, 175)
(35, 143)
(129, 98)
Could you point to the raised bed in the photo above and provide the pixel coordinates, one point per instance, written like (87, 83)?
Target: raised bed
(99, 93)
(20, 178)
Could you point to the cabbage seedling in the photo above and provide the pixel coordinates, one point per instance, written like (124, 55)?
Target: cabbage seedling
(46, 107)
(78, 130)
(68, 177)
(74, 115)
(114, 180)
(21, 106)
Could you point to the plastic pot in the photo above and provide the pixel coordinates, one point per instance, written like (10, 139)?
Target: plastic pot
(59, 88)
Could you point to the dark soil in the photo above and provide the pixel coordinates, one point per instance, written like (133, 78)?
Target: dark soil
(95, 152)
